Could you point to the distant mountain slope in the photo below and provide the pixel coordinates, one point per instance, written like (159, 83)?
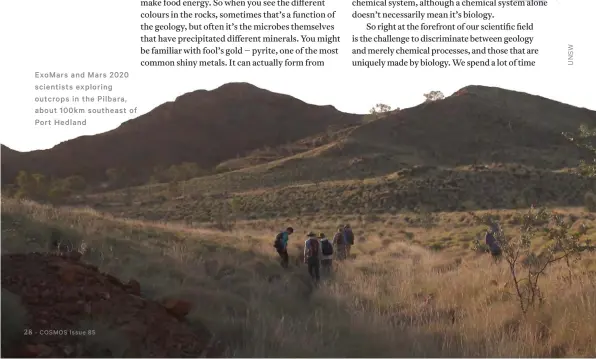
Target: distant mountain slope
(479, 148)
(205, 127)
(478, 125)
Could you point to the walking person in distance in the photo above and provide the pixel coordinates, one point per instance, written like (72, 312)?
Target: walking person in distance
(281, 245)
(312, 256)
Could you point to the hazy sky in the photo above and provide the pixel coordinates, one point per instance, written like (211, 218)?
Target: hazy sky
(80, 36)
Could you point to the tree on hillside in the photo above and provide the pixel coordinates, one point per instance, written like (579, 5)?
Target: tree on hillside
(33, 186)
(585, 138)
(434, 96)
(25, 185)
(75, 183)
(380, 108)
(41, 186)
(223, 216)
(57, 192)
(379, 111)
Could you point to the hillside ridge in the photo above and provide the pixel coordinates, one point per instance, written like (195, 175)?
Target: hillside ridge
(203, 127)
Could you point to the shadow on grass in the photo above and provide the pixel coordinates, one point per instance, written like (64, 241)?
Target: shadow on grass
(243, 296)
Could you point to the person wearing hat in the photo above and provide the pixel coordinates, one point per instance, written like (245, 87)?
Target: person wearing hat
(312, 256)
(326, 254)
(339, 243)
(491, 241)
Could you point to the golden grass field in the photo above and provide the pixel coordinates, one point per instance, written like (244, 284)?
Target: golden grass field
(414, 287)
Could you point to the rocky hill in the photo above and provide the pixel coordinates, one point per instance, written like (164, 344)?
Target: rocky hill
(478, 125)
(204, 127)
(480, 148)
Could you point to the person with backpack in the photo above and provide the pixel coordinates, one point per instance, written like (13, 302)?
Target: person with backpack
(349, 239)
(312, 256)
(326, 254)
(491, 241)
(339, 244)
(281, 245)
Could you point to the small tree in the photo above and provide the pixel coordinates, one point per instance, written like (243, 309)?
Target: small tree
(518, 253)
(25, 185)
(190, 170)
(75, 183)
(379, 111)
(33, 186)
(41, 186)
(584, 138)
(434, 96)
(57, 194)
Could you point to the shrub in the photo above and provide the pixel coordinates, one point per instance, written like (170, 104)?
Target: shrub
(585, 139)
(562, 245)
(379, 111)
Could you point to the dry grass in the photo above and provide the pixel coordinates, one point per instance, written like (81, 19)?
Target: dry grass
(395, 298)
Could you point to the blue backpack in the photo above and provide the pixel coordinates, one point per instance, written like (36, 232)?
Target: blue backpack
(326, 247)
(349, 236)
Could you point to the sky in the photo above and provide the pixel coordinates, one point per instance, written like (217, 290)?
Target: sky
(104, 36)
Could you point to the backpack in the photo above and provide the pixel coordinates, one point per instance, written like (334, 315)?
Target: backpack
(349, 236)
(326, 247)
(277, 244)
(492, 243)
(313, 248)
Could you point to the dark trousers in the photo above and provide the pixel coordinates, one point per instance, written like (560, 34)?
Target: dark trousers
(340, 252)
(326, 266)
(314, 268)
(285, 259)
(348, 249)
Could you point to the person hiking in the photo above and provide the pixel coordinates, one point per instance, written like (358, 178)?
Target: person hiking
(312, 256)
(349, 239)
(491, 241)
(326, 254)
(281, 245)
(339, 244)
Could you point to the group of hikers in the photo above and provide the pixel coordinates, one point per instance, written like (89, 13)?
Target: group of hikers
(319, 251)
